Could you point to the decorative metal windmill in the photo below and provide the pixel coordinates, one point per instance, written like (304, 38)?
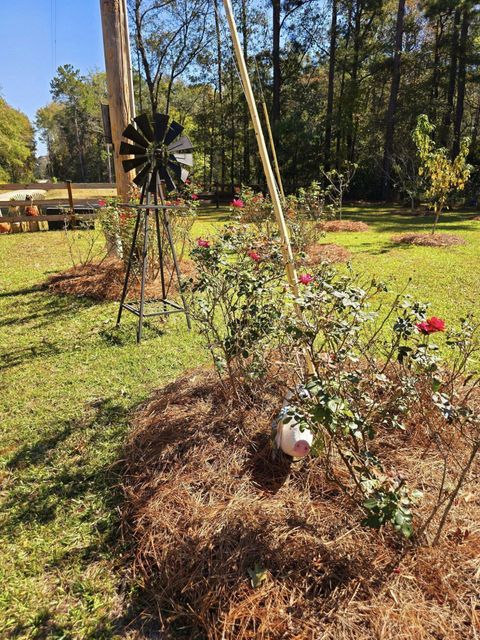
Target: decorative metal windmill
(160, 157)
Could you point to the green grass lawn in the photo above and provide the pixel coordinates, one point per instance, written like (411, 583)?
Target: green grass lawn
(69, 385)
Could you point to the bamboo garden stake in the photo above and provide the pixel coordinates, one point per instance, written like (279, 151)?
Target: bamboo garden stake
(267, 167)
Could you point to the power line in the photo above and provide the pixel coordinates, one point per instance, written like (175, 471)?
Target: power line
(53, 32)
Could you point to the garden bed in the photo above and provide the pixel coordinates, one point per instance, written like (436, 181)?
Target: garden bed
(230, 545)
(335, 226)
(428, 239)
(330, 252)
(104, 281)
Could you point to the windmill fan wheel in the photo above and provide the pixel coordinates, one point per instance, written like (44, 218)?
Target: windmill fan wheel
(159, 150)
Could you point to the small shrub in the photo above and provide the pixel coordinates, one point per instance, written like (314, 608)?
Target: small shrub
(375, 366)
(237, 301)
(443, 176)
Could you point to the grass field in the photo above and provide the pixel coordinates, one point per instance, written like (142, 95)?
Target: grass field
(69, 385)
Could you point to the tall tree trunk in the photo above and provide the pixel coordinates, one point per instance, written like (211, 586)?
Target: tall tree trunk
(339, 116)
(462, 74)
(436, 68)
(353, 93)
(447, 118)
(233, 140)
(392, 102)
(212, 140)
(277, 79)
(331, 86)
(245, 117)
(220, 96)
(143, 55)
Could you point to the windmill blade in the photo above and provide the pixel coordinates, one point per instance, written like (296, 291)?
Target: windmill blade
(143, 124)
(142, 176)
(184, 158)
(164, 175)
(135, 136)
(128, 165)
(127, 149)
(174, 131)
(160, 125)
(180, 172)
(182, 144)
(176, 168)
(153, 186)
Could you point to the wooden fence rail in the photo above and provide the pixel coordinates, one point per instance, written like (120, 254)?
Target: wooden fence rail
(55, 202)
(49, 186)
(50, 218)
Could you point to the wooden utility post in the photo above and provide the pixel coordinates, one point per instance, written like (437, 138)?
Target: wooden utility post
(120, 97)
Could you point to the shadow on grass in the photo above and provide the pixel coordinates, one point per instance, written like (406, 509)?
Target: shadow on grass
(43, 307)
(388, 221)
(33, 501)
(61, 475)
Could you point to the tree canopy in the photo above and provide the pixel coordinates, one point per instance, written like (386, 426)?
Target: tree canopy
(344, 82)
(17, 145)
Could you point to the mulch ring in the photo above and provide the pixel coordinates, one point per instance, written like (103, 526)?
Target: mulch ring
(318, 253)
(231, 545)
(335, 226)
(104, 281)
(429, 240)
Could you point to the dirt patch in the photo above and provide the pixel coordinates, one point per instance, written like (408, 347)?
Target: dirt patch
(429, 240)
(209, 512)
(104, 281)
(318, 253)
(334, 226)
(476, 218)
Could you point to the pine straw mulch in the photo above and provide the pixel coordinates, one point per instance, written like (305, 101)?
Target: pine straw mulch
(204, 505)
(429, 240)
(104, 281)
(330, 252)
(335, 226)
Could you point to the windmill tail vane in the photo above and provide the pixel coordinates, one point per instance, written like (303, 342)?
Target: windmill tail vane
(159, 150)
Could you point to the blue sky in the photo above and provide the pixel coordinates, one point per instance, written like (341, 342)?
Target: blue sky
(36, 37)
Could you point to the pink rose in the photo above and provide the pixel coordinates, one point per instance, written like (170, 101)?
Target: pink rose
(194, 196)
(306, 278)
(254, 256)
(205, 244)
(239, 204)
(102, 203)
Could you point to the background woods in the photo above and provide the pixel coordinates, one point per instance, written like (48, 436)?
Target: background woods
(344, 81)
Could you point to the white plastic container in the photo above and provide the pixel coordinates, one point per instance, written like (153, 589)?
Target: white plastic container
(293, 441)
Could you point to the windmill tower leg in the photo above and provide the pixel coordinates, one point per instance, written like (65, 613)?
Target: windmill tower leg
(129, 268)
(168, 229)
(141, 310)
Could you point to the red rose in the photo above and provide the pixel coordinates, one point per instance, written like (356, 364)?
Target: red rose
(205, 244)
(432, 325)
(436, 324)
(305, 278)
(194, 196)
(254, 256)
(239, 204)
(102, 203)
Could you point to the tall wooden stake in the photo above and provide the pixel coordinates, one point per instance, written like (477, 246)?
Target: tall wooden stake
(267, 167)
(120, 98)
